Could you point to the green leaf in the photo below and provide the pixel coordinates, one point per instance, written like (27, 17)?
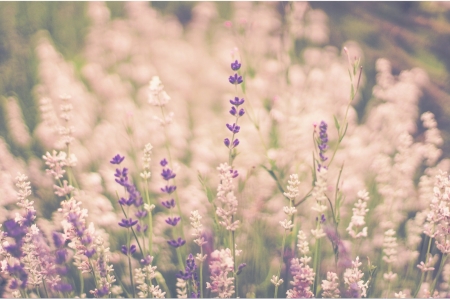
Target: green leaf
(336, 123)
(343, 134)
(208, 192)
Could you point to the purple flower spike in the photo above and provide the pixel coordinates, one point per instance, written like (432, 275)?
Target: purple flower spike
(125, 250)
(61, 256)
(241, 112)
(176, 243)
(173, 221)
(127, 223)
(234, 173)
(58, 239)
(163, 162)
(169, 204)
(235, 142)
(235, 66)
(236, 79)
(323, 143)
(233, 111)
(168, 189)
(167, 174)
(226, 141)
(237, 102)
(117, 159)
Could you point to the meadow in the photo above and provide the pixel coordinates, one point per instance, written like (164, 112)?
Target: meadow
(224, 157)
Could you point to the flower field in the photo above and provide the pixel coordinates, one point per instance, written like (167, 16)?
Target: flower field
(221, 157)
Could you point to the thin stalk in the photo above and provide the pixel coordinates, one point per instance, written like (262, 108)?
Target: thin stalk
(129, 265)
(275, 295)
(423, 272)
(433, 285)
(236, 285)
(81, 284)
(150, 221)
(201, 274)
(316, 266)
(45, 289)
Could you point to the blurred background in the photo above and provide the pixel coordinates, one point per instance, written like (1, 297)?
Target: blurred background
(409, 34)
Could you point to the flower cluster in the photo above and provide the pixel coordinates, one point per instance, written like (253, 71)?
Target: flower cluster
(220, 266)
(390, 253)
(330, 286)
(303, 278)
(356, 287)
(357, 220)
(225, 195)
(144, 280)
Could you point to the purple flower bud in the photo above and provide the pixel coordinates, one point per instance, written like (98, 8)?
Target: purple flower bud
(173, 221)
(147, 260)
(176, 243)
(61, 256)
(241, 112)
(167, 174)
(233, 128)
(233, 111)
(235, 142)
(124, 249)
(140, 228)
(168, 189)
(226, 141)
(89, 252)
(132, 249)
(236, 79)
(127, 223)
(237, 101)
(169, 204)
(235, 65)
(86, 240)
(14, 249)
(240, 267)
(14, 284)
(58, 239)
(126, 202)
(117, 159)
(122, 177)
(163, 162)
(141, 213)
(234, 173)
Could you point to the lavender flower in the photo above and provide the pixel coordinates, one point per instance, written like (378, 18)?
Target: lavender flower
(122, 176)
(117, 159)
(190, 274)
(233, 128)
(237, 102)
(126, 202)
(173, 221)
(127, 251)
(168, 189)
(163, 162)
(168, 174)
(127, 223)
(169, 204)
(236, 79)
(176, 243)
(235, 65)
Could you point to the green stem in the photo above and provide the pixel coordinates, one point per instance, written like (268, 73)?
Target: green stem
(150, 221)
(129, 264)
(236, 285)
(201, 274)
(81, 284)
(275, 295)
(423, 272)
(433, 285)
